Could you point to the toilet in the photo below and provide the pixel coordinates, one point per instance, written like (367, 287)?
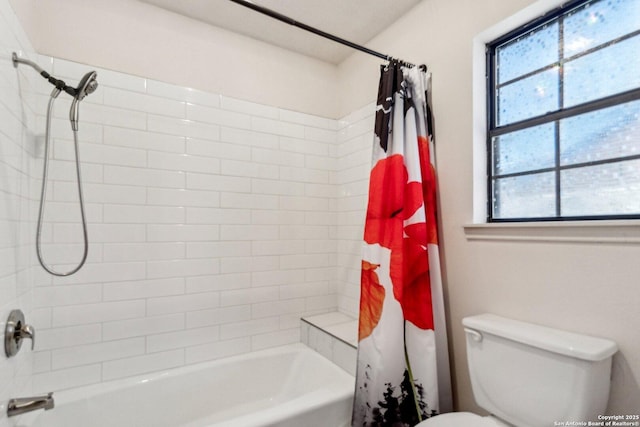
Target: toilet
(527, 375)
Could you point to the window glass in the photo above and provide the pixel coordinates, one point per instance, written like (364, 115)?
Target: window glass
(564, 115)
(525, 196)
(614, 189)
(532, 148)
(604, 72)
(601, 135)
(599, 22)
(528, 97)
(539, 46)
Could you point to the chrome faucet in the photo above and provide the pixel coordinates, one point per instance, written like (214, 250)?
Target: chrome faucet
(27, 404)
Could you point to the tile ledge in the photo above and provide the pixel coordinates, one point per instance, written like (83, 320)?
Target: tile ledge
(613, 231)
(325, 329)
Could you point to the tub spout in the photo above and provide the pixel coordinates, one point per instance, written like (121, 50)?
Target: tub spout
(27, 404)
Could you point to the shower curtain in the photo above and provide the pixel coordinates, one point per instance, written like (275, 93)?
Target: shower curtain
(403, 366)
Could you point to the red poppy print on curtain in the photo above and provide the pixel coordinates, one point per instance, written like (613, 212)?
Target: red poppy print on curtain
(372, 296)
(429, 190)
(411, 283)
(393, 200)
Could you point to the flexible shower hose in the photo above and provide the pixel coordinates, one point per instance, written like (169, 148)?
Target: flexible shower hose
(43, 193)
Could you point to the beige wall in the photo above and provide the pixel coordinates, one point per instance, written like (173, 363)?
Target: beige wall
(140, 39)
(588, 287)
(579, 286)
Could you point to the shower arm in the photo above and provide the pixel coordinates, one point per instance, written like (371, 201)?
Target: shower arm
(60, 84)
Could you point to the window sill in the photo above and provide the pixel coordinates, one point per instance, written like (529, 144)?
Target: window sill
(618, 232)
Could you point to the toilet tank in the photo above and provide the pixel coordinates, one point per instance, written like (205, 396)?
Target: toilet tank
(530, 375)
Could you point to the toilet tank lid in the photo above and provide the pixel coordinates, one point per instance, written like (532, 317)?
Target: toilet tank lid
(570, 344)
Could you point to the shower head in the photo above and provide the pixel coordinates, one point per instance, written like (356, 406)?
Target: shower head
(88, 84)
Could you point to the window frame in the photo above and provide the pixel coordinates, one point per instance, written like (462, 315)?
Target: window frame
(493, 130)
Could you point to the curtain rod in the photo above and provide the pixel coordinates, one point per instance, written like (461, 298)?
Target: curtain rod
(291, 21)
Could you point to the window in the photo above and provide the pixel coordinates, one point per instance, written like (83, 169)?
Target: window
(563, 134)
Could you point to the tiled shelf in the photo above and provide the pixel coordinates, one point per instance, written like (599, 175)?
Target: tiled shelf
(335, 336)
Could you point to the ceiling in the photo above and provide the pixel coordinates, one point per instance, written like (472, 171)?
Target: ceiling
(355, 20)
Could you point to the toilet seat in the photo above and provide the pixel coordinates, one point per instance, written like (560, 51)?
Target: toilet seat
(462, 419)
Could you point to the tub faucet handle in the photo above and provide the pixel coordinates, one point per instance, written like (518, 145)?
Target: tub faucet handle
(27, 331)
(17, 330)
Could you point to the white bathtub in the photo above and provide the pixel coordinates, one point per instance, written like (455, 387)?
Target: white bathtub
(290, 386)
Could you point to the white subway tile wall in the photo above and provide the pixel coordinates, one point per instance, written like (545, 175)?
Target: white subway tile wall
(205, 214)
(214, 223)
(18, 145)
(351, 178)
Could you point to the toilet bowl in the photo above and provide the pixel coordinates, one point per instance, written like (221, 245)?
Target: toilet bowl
(516, 368)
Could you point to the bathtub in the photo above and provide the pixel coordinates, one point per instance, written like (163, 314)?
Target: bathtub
(289, 386)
